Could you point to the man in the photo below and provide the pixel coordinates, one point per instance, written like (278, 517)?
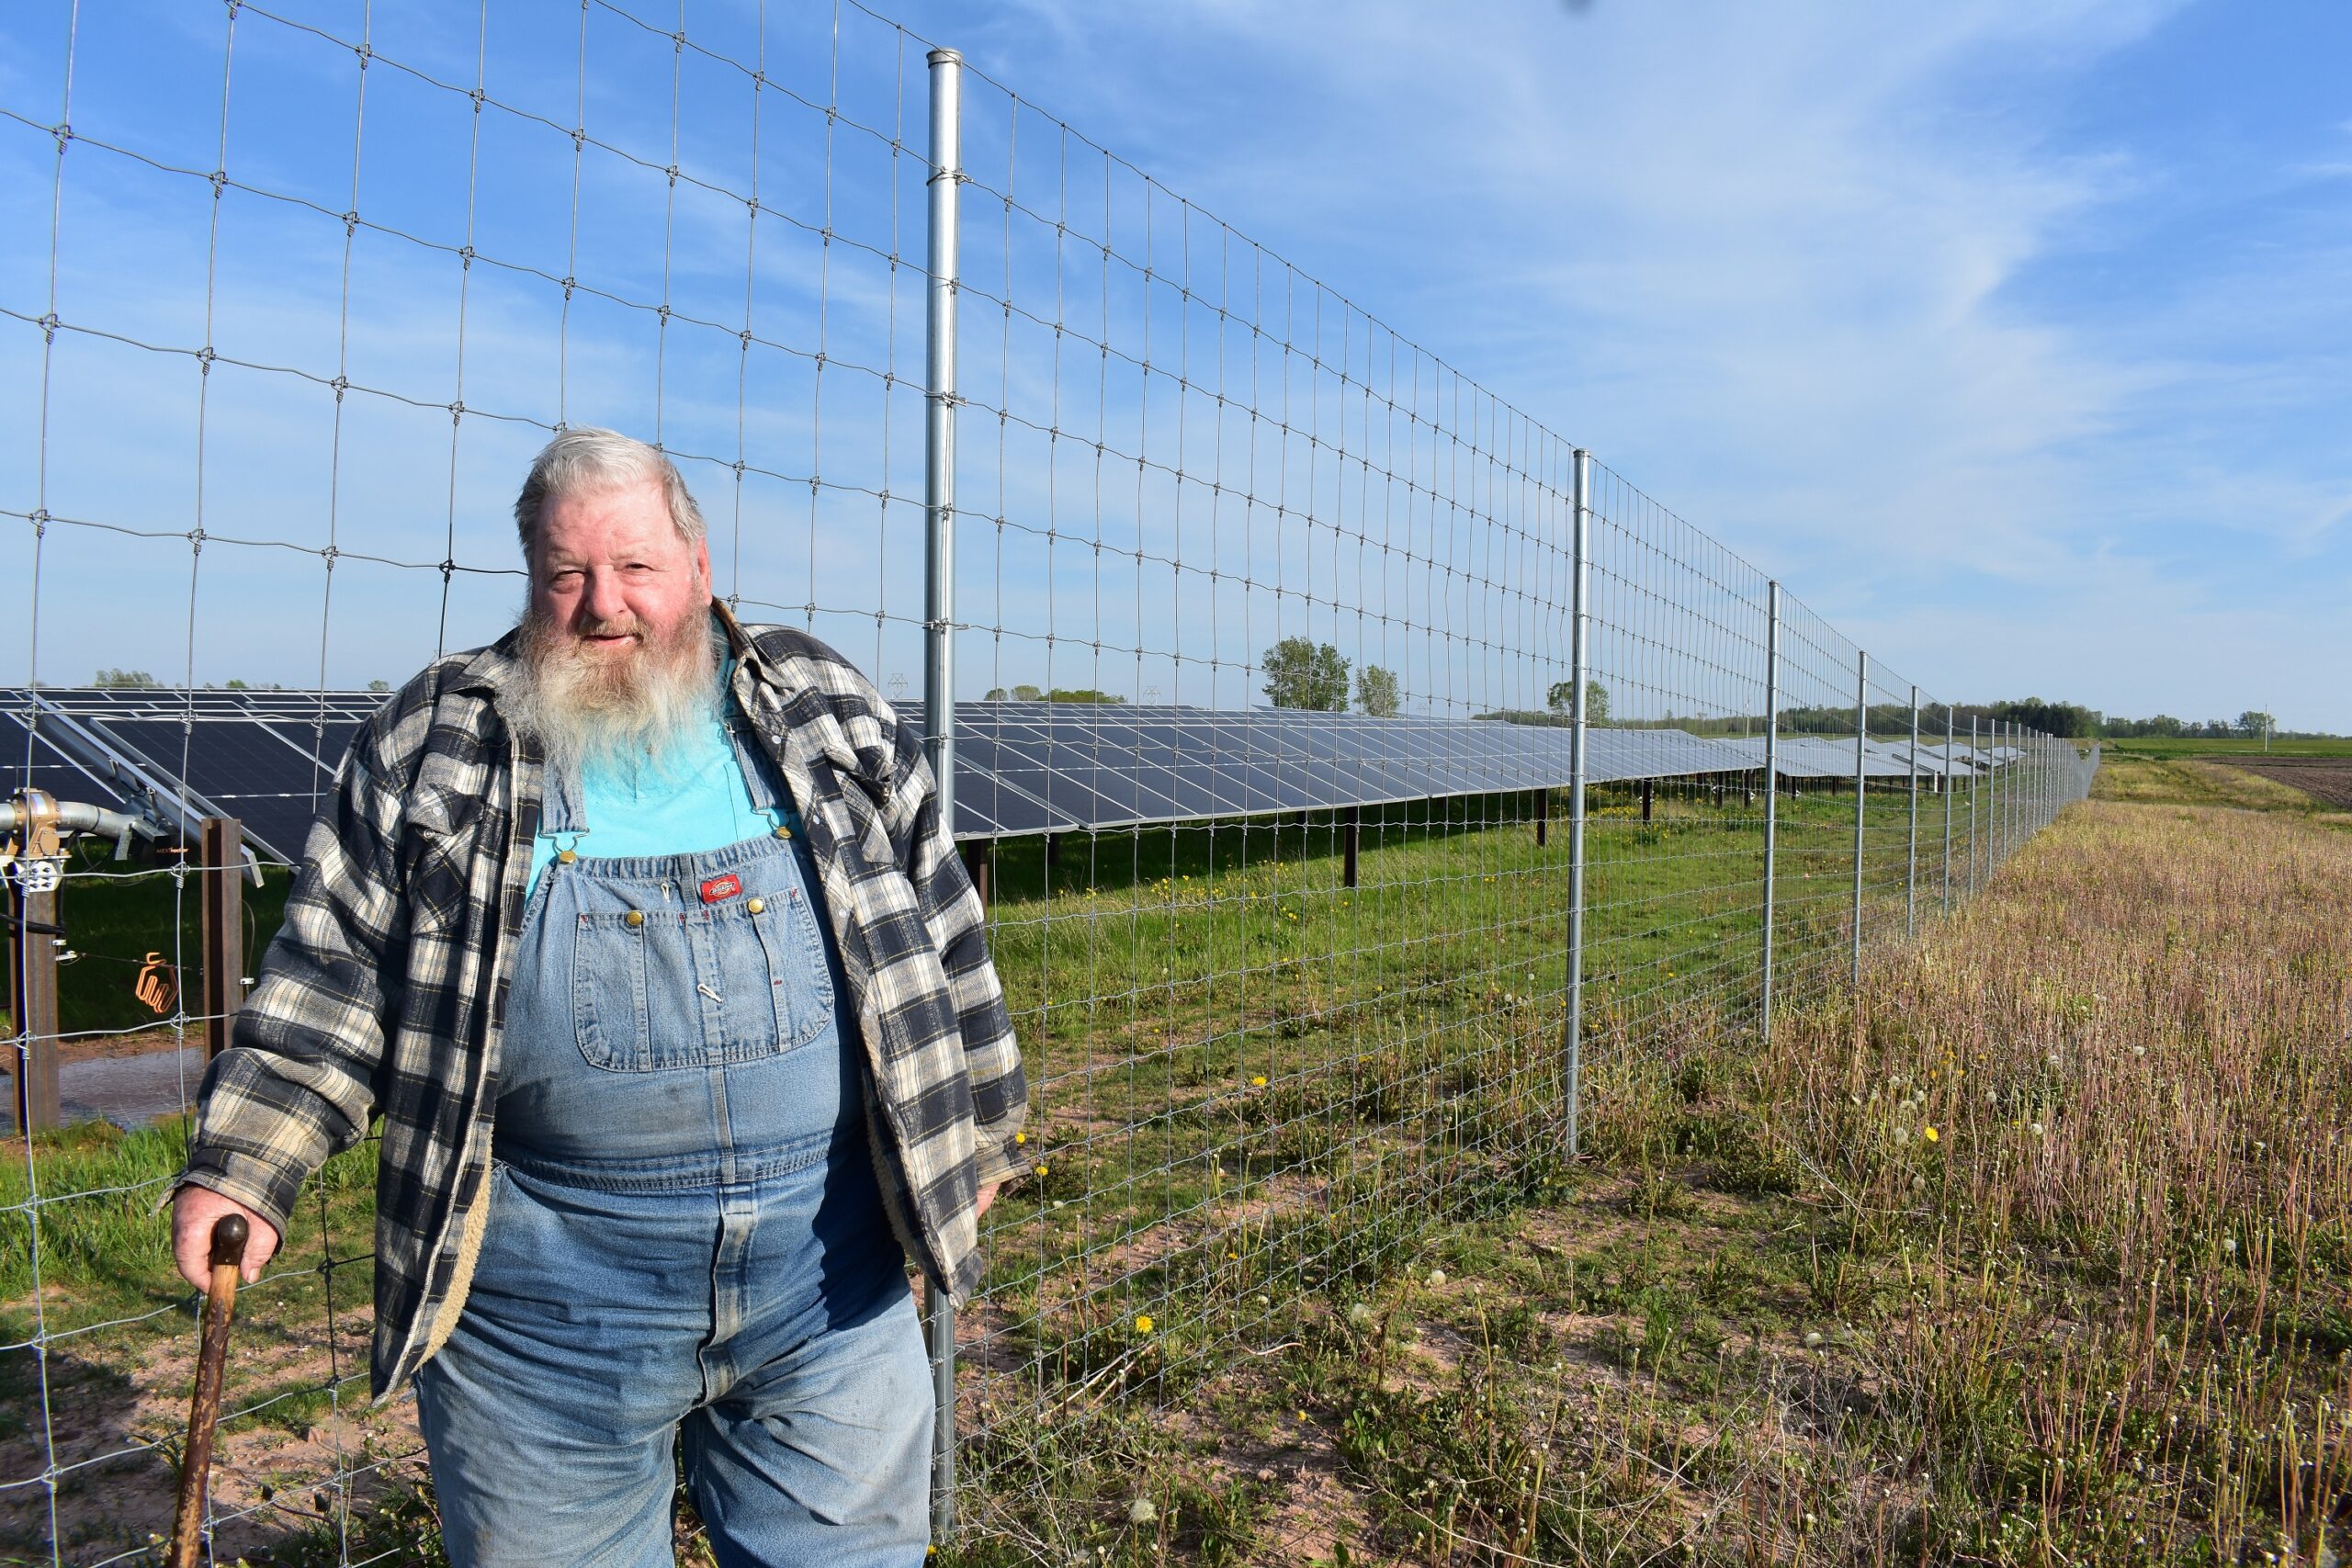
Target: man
(642, 931)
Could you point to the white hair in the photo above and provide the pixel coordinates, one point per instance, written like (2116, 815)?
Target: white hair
(585, 460)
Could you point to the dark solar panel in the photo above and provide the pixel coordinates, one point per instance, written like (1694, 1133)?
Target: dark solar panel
(270, 786)
(29, 758)
(268, 757)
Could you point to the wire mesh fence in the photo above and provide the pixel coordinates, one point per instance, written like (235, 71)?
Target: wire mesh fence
(1112, 495)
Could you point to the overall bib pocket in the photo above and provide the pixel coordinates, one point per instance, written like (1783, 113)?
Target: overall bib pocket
(665, 989)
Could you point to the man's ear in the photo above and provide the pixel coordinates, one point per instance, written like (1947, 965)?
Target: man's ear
(702, 560)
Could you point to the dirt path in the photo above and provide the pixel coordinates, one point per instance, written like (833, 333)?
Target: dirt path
(130, 1090)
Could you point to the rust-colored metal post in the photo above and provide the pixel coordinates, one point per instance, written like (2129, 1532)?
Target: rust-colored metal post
(32, 977)
(222, 897)
(976, 866)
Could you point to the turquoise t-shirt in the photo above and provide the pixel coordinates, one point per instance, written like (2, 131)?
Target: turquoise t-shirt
(700, 802)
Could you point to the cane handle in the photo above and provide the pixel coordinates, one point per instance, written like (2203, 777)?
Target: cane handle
(229, 1235)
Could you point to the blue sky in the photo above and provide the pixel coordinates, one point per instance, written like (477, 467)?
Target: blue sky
(2012, 338)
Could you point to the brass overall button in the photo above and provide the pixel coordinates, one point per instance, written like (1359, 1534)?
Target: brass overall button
(757, 905)
(783, 831)
(567, 856)
(637, 916)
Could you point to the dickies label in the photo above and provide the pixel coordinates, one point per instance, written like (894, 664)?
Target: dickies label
(720, 888)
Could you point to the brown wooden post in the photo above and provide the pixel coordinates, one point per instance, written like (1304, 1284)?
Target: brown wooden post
(976, 866)
(32, 976)
(222, 892)
(1355, 838)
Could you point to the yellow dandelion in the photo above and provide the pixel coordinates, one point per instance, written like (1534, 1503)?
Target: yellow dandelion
(1143, 1323)
(1928, 1134)
(1019, 1137)
(1258, 1080)
(1041, 1170)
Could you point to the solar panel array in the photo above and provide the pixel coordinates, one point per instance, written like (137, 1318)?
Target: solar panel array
(177, 757)
(1034, 767)
(1022, 767)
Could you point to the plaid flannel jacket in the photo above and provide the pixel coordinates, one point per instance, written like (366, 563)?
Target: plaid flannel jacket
(384, 992)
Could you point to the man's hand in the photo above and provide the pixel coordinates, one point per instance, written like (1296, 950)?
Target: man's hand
(194, 1210)
(987, 1196)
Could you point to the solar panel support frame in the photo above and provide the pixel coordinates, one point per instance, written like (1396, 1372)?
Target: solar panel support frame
(168, 800)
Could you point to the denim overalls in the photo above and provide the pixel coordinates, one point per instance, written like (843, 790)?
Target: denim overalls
(685, 1226)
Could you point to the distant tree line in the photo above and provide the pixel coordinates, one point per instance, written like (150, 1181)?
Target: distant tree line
(2251, 725)
(1050, 695)
(1302, 673)
(140, 681)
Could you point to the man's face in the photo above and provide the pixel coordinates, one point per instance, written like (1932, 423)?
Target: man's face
(612, 578)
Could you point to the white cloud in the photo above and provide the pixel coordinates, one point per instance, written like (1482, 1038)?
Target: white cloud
(1790, 271)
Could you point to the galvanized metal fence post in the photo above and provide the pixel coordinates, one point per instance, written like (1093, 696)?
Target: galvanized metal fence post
(1861, 794)
(1996, 847)
(939, 644)
(1580, 673)
(2004, 787)
(1975, 771)
(1951, 784)
(1772, 779)
(1911, 845)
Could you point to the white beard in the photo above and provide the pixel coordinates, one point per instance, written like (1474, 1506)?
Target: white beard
(627, 715)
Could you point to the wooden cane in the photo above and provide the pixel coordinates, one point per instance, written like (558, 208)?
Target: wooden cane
(204, 1411)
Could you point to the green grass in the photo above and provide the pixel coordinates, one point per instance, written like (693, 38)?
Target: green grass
(115, 919)
(2170, 747)
(2145, 780)
(1253, 1089)
(2095, 1319)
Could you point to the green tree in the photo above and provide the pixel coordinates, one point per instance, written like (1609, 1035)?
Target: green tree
(1561, 699)
(379, 684)
(1376, 691)
(125, 681)
(2257, 724)
(1303, 674)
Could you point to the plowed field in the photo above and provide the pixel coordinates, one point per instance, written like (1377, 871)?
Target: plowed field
(2327, 779)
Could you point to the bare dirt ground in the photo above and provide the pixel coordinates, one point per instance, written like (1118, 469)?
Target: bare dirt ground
(2325, 778)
